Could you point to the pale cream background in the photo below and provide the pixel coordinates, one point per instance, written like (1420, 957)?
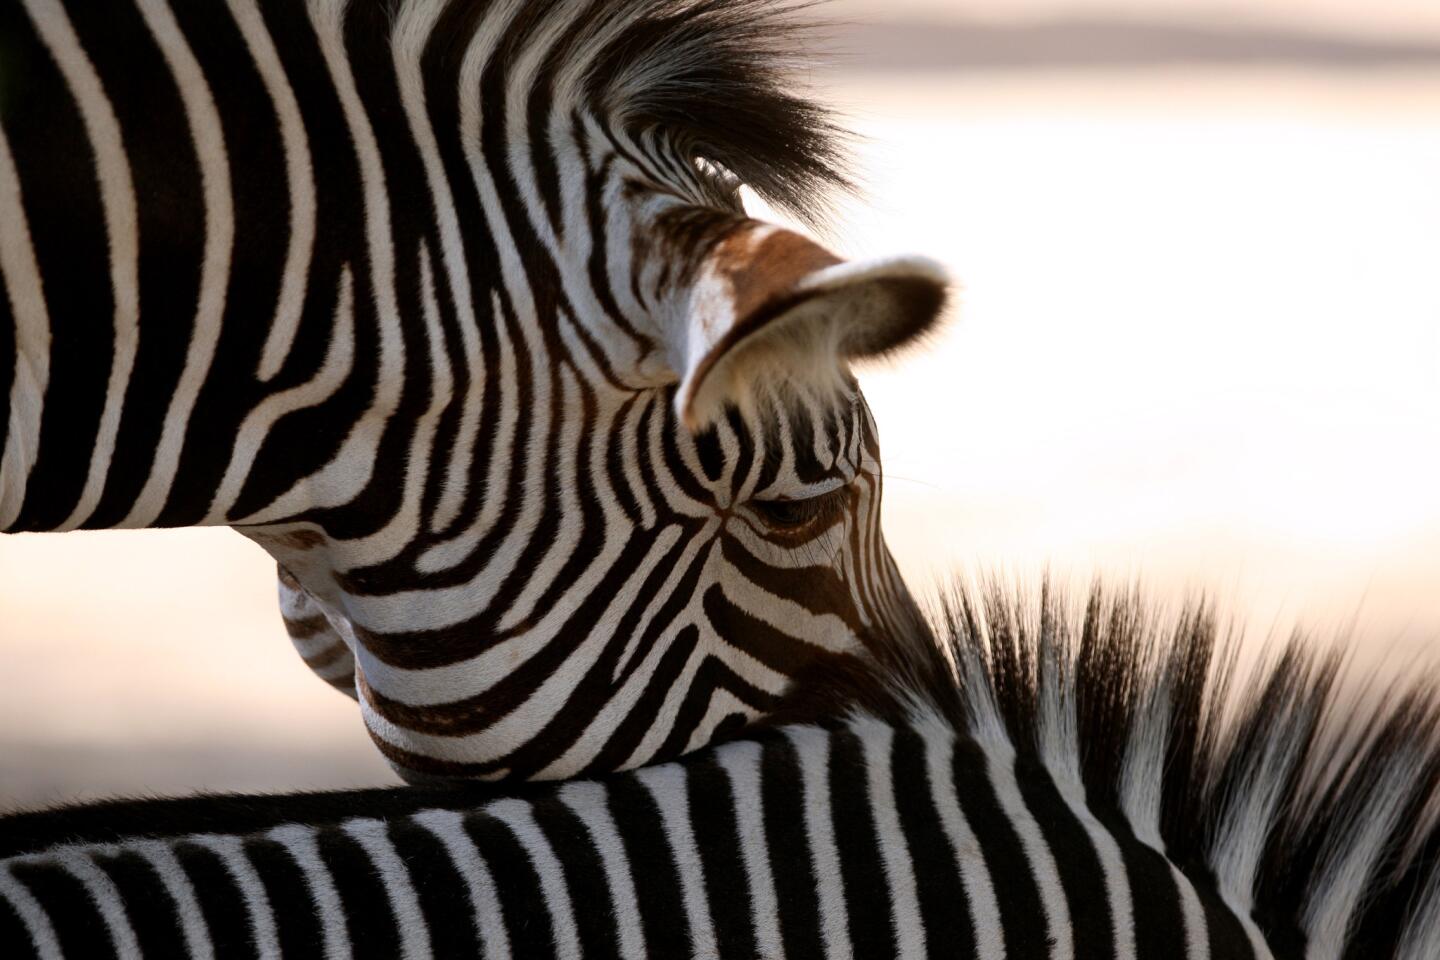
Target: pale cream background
(1198, 342)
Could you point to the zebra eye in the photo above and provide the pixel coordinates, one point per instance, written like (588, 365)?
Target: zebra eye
(794, 514)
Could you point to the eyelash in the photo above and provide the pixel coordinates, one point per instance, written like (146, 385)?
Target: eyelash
(796, 514)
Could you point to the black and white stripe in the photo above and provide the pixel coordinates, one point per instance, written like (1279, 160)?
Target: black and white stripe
(1055, 784)
(451, 305)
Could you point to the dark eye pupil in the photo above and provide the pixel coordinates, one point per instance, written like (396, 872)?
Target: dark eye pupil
(798, 513)
(787, 513)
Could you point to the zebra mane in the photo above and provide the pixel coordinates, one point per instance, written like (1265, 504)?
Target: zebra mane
(1312, 809)
(716, 78)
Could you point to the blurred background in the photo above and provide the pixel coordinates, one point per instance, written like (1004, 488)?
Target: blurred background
(1198, 344)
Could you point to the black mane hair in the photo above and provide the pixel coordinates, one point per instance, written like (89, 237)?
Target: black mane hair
(722, 75)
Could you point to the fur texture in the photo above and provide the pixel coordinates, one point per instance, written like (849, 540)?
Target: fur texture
(1312, 810)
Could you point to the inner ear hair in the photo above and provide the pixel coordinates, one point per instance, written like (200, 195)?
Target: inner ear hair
(796, 341)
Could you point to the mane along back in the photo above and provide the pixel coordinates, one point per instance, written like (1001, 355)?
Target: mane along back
(1311, 811)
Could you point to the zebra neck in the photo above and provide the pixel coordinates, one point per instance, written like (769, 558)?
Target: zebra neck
(226, 274)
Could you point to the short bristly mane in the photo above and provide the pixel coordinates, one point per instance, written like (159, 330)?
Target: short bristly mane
(1311, 810)
(718, 78)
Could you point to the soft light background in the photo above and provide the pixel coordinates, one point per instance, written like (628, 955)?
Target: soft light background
(1198, 343)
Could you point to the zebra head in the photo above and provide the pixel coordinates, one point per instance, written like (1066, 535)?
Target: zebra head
(675, 511)
(454, 308)
(661, 505)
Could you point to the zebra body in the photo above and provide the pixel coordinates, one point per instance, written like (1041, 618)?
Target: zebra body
(452, 306)
(867, 841)
(1047, 785)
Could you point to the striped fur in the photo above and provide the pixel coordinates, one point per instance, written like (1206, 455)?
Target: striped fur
(1050, 782)
(452, 306)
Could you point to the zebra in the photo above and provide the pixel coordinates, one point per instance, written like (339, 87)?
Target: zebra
(1048, 780)
(453, 307)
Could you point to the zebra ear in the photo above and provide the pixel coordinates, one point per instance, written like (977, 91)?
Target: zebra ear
(769, 303)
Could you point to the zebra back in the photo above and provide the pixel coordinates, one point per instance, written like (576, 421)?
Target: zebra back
(1048, 782)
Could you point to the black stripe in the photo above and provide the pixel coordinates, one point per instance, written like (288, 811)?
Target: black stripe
(367, 45)
(522, 902)
(14, 938)
(641, 717)
(439, 66)
(1021, 913)
(154, 915)
(297, 920)
(867, 894)
(652, 864)
(790, 856)
(1080, 873)
(1155, 899)
(261, 205)
(305, 440)
(711, 677)
(727, 885)
(171, 215)
(13, 62)
(8, 347)
(590, 895)
(1227, 937)
(440, 890)
(374, 932)
(221, 902)
(73, 915)
(944, 910)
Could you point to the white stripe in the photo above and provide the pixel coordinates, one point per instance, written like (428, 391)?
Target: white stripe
(661, 722)
(299, 840)
(182, 891)
(969, 857)
(339, 358)
(1060, 753)
(667, 785)
(117, 198)
(32, 341)
(36, 920)
(1112, 865)
(209, 140)
(1197, 933)
(231, 852)
(408, 40)
(516, 815)
(878, 742)
(588, 801)
(565, 508)
(401, 530)
(300, 177)
(503, 367)
(352, 467)
(374, 837)
(813, 748)
(741, 763)
(449, 828)
(1000, 757)
(476, 597)
(107, 899)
